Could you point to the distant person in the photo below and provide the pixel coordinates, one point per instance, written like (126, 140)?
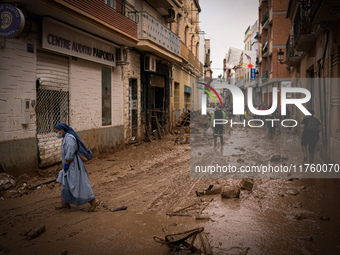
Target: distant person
(76, 187)
(271, 125)
(218, 129)
(245, 112)
(310, 136)
(230, 112)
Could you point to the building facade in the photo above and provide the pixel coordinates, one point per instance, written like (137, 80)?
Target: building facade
(110, 69)
(189, 68)
(62, 67)
(273, 31)
(247, 70)
(313, 58)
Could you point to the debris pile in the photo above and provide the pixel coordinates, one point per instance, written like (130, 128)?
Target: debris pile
(191, 241)
(231, 192)
(184, 119)
(7, 181)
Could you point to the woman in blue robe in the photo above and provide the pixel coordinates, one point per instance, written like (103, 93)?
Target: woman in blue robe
(76, 187)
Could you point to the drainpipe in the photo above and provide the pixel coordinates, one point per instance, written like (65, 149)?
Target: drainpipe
(329, 109)
(323, 122)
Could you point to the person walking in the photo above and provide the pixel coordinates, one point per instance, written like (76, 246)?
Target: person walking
(310, 136)
(76, 187)
(218, 129)
(270, 125)
(230, 112)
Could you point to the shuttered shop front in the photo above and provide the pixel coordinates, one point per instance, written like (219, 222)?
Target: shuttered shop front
(52, 104)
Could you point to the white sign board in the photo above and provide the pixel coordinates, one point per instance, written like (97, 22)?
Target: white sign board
(249, 59)
(61, 38)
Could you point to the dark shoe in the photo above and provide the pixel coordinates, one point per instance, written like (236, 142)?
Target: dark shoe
(94, 203)
(63, 206)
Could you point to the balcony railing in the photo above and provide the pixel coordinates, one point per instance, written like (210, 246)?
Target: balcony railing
(264, 17)
(190, 57)
(150, 28)
(292, 56)
(124, 8)
(265, 49)
(304, 31)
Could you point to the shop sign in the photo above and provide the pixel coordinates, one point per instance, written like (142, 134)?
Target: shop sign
(187, 89)
(12, 21)
(61, 38)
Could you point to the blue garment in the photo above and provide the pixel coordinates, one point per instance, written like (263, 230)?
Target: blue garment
(82, 150)
(76, 187)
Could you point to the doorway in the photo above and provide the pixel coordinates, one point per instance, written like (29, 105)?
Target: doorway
(133, 105)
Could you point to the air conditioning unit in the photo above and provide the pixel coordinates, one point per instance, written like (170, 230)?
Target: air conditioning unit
(149, 63)
(121, 55)
(172, 16)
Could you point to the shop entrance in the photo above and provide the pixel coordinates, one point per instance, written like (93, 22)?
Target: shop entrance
(158, 103)
(52, 104)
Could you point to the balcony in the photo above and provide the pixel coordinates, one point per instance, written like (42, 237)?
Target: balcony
(188, 56)
(271, 15)
(304, 31)
(95, 17)
(265, 21)
(324, 10)
(260, 2)
(126, 9)
(292, 56)
(163, 6)
(185, 52)
(151, 29)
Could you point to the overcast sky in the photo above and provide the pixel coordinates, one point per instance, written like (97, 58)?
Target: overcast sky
(224, 23)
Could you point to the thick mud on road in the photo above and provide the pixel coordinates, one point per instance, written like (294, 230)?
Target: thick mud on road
(278, 216)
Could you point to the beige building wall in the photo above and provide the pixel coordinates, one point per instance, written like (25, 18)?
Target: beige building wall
(131, 71)
(178, 100)
(187, 28)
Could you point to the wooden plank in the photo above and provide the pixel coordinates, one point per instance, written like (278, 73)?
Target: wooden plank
(158, 128)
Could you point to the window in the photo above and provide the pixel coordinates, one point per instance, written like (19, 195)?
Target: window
(106, 96)
(110, 3)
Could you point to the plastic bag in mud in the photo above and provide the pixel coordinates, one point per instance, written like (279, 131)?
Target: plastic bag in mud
(210, 131)
(7, 181)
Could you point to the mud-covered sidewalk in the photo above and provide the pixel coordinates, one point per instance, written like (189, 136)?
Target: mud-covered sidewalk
(278, 216)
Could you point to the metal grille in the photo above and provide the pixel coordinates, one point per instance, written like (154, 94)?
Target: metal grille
(52, 108)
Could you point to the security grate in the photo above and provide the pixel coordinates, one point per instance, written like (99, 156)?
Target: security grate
(52, 108)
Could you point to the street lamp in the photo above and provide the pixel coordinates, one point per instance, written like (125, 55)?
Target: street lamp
(280, 54)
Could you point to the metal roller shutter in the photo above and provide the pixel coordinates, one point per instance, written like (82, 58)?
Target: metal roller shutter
(52, 104)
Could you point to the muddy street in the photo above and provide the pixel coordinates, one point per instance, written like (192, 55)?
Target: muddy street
(277, 216)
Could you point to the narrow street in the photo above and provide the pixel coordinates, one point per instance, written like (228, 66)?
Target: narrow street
(279, 216)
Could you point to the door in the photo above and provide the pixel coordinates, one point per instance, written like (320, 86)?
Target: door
(133, 102)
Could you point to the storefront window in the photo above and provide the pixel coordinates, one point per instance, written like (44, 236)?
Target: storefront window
(106, 96)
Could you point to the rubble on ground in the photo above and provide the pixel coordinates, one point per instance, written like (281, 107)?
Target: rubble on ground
(231, 192)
